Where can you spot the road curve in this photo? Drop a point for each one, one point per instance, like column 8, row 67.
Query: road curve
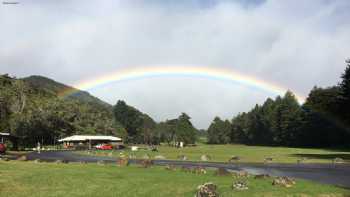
column 338, row 174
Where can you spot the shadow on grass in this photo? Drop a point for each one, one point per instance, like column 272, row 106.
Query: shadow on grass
column 345, row 156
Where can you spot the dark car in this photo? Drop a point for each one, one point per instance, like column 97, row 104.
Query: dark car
column 2, row 148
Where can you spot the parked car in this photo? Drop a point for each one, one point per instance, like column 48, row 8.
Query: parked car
column 2, row 148
column 104, row 147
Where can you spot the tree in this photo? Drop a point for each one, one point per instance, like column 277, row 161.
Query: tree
column 130, row 119
column 344, row 98
column 147, row 130
column 185, row 131
column 219, row 131
column 322, row 125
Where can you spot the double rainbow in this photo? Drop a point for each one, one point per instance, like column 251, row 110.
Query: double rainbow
column 191, row 71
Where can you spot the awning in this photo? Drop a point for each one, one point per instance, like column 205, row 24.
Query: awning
column 78, row 138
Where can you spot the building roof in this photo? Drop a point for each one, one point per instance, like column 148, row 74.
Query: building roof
column 89, row 137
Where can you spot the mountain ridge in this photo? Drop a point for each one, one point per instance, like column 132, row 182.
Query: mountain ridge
column 56, row 87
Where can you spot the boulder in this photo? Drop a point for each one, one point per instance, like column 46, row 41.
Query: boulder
column 205, row 158
column 222, row 172
column 241, row 174
column 240, row 185
column 338, row 160
column 65, row 161
column 146, row 156
column 261, row 176
column 5, row 159
column 207, row 190
column 123, row 161
column 101, row 162
column 22, row 158
column 58, row 161
column 182, row 157
column 234, row 159
column 146, row 163
column 199, row 170
column 283, row 181
column 302, row 160
column 186, row 169
column 159, row 157
column 37, row 161
column 170, row 167
column 268, row 159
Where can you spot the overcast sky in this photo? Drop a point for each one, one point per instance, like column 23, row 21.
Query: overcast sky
column 295, row 44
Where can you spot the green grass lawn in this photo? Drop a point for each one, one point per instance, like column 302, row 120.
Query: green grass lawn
column 254, row 154
column 28, row 179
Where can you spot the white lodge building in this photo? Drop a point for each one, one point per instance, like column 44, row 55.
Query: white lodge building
column 90, row 140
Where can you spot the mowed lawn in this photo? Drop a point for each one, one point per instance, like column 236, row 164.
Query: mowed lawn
column 29, row 179
column 222, row 153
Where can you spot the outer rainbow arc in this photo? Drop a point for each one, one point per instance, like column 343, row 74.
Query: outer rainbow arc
column 196, row 71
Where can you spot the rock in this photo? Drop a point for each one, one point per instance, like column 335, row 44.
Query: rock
column 61, row 161
column 182, row 157
column 5, row 159
column 170, row 167
column 268, row 159
column 199, row 170
column 65, row 161
column 58, row 161
column 302, row 160
column 338, row 160
column 154, row 149
column 82, row 162
column 241, row 174
column 205, row 158
column 186, row 169
column 37, row 161
column 240, row 185
column 283, row 181
column 146, row 163
column 123, row 162
column 222, row 172
column 146, row 156
column 234, row 159
column 261, row 176
column 207, row 190
column 101, row 162
column 159, row 157
column 22, row 158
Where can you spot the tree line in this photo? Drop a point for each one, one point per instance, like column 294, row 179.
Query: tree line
column 141, row 128
column 322, row 121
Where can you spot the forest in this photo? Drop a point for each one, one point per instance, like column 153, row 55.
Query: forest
column 33, row 110
column 322, row 121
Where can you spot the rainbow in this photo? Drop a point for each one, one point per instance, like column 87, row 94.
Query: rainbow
column 192, row 71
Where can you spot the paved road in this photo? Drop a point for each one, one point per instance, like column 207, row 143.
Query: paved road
column 338, row 174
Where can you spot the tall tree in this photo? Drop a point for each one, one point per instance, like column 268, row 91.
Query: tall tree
column 345, row 94
column 219, row 131
column 185, row 131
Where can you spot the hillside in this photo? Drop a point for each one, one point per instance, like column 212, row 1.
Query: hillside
column 55, row 87
column 31, row 109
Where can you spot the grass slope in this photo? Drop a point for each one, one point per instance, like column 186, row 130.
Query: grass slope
column 247, row 153
column 27, row 179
